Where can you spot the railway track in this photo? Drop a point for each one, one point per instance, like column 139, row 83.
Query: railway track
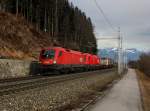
column 10, row 87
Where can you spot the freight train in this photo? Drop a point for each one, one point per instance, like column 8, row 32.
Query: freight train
column 65, row 60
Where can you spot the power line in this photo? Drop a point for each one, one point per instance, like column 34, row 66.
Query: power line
column 104, row 15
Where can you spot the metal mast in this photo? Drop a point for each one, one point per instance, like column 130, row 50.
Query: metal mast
column 119, row 52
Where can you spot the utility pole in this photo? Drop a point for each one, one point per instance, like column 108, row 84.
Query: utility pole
column 119, row 38
column 17, row 5
column 119, row 52
column 56, row 19
column 125, row 59
column 45, row 20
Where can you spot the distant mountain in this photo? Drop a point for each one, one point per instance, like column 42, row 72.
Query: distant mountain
column 132, row 54
column 108, row 52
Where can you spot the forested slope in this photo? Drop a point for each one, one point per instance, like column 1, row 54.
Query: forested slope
column 58, row 20
column 18, row 39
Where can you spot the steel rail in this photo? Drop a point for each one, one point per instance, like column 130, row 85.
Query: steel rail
column 17, row 86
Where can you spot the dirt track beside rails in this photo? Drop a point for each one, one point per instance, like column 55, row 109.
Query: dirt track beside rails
column 56, row 96
column 144, row 83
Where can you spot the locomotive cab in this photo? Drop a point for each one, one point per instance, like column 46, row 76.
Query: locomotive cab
column 47, row 56
column 50, row 59
column 51, row 56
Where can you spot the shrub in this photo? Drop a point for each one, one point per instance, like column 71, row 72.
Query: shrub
column 144, row 63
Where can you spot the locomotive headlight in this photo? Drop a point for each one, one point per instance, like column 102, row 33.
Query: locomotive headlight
column 54, row 62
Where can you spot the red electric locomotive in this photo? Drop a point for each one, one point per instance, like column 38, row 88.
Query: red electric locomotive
column 65, row 60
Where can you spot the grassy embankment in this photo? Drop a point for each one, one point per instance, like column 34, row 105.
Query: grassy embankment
column 144, row 82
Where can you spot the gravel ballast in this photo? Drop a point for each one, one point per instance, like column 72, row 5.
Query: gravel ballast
column 56, row 96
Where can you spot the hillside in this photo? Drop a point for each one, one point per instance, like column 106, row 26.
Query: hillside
column 28, row 25
column 67, row 23
column 18, row 39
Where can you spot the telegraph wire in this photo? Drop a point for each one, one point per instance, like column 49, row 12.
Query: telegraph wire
column 104, row 15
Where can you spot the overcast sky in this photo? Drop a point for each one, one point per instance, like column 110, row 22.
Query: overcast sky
column 132, row 16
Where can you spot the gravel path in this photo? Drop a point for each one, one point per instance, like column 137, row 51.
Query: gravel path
column 124, row 96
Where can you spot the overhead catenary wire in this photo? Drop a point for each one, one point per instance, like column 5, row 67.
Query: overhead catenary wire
column 120, row 68
column 104, row 15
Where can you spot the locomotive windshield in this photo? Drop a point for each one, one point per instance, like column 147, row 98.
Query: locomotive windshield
column 49, row 54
